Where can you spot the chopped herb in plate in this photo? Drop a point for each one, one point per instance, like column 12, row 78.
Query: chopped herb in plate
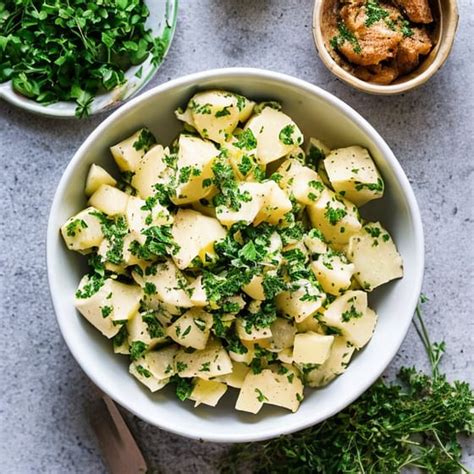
column 72, row 51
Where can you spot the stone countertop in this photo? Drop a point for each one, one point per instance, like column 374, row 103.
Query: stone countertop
column 45, row 397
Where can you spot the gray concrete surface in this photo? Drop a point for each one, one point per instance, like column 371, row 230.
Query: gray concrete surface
column 45, row 397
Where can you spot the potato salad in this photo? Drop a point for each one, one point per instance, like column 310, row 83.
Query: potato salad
column 233, row 257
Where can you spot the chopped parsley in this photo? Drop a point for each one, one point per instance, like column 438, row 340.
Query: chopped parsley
column 142, row 371
column 334, row 215
column 137, row 349
column 106, row 311
column 351, row 313
column 260, row 396
column 75, row 227
column 145, row 141
column 345, row 35
column 246, row 140
column 286, row 135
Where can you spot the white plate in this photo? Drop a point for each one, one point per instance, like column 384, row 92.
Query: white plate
column 319, row 114
column 161, row 22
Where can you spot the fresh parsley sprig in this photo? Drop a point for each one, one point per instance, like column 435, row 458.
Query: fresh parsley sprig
column 72, row 51
column 414, row 423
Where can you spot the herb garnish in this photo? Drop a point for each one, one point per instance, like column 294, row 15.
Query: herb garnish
column 54, row 51
column 389, row 429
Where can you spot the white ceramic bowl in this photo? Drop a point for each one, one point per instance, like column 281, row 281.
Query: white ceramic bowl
column 161, row 22
column 318, row 113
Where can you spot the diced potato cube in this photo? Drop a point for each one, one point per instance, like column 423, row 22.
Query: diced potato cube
column 300, row 302
column 276, row 134
column 151, row 170
column 283, row 334
column 164, row 285
column 194, row 173
column 192, row 329
column 83, row 231
column 254, row 288
column 312, row 348
column 300, row 181
column 112, row 304
column 97, row 176
column 198, row 293
column 335, row 217
column 236, row 377
column 269, row 387
column 336, row 363
column 315, row 242
column 213, row 361
column 353, row 174
column 139, row 217
column 374, row 255
column 161, row 362
column 195, row 235
column 214, row 114
column 275, row 205
column 128, row 152
column 109, row 200
column 248, row 332
column 143, row 375
column 147, row 328
column 255, row 192
column 333, row 272
column 208, row 392
column 350, row 315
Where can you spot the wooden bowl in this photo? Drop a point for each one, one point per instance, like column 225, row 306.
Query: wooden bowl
column 446, row 17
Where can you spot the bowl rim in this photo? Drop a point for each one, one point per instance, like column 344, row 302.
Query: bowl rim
column 194, row 79
column 66, row 109
column 444, row 49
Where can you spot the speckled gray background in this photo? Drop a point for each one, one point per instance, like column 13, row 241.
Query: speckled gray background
column 45, row 397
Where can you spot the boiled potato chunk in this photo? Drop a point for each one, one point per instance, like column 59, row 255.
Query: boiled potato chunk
column 301, row 301
column 315, row 243
column 109, row 200
column 213, row 361
column 194, row 172
column 276, row 134
column 145, row 376
column 300, row 181
column 336, row 363
column 312, row 348
column 161, row 362
column 335, row 217
column 249, row 208
column 248, row 332
column 83, row 231
column 215, row 114
column 198, row 293
column 151, row 169
column 128, row 152
column 350, row 315
column 254, row 288
column 283, row 334
column 146, row 328
column 269, row 387
column 333, row 272
column 275, row 205
column 353, row 174
column 245, row 107
column 165, row 285
column 192, row 329
column 112, row 303
column 97, row 176
column 375, row 257
column 139, row 217
column 243, row 160
column 208, row 392
column 195, row 235
column 237, row 376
